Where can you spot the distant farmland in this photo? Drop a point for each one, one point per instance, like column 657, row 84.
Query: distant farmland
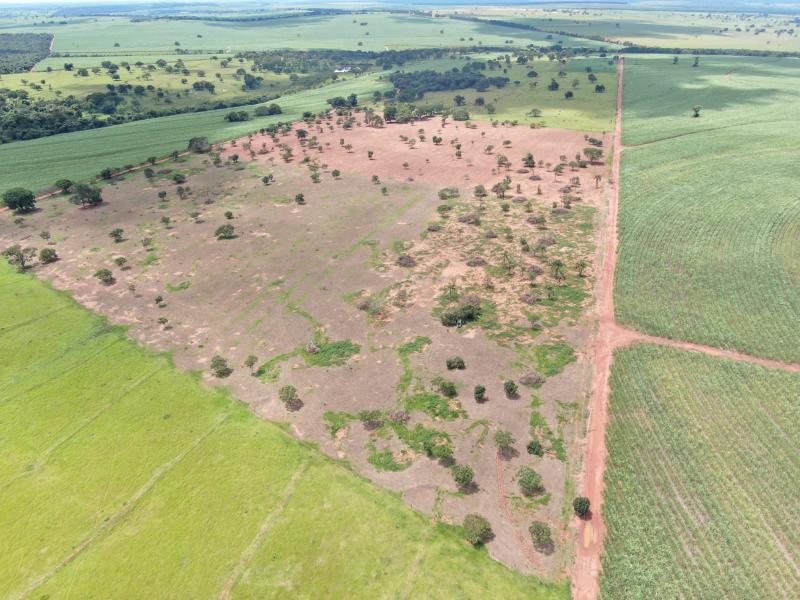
column 110, row 453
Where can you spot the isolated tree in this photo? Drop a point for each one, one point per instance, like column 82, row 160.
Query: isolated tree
column 535, row 447
column 510, row 388
column 459, row 100
column 162, row 195
column 529, row 481
column 581, row 267
column 336, row 173
column 19, row 257
column 480, row 192
column 463, row 475
column 65, row 185
column 540, row 535
column 477, row 529
column 225, row 232
column 116, row 235
column 581, row 506
column 529, row 161
column 48, row 255
column 121, row 261
column 105, row 276
column 300, row 199
column 267, row 179
column 597, row 180
column 480, row 393
column 250, row 362
column 219, row 367
column 19, row 200
column 290, row 398
column 455, row 363
column 557, row 269
column 504, row 440
column 696, row 62
column 696, row 110
column 87, row 195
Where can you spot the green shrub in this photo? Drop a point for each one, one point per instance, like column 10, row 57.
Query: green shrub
column 477, row 529
column 530, row 482
column 456, row 363
column 463, row 475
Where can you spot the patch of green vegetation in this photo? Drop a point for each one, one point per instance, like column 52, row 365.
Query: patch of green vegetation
column 270, row 371
column 336, row 421
column 183, row 285
column 150, row 259
column 383, row 460
column 416, row 345
column 435, row 405
column 530, row 503
column 330, row 354
column 432, row 442
column 551, row 358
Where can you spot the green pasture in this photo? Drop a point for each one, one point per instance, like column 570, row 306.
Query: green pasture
column 585, row 111
column 36, row 164
column 345, row 32
column 686, row 29
column 709, row 215
column 119, row 472
column 702, row 469
column 176, row 85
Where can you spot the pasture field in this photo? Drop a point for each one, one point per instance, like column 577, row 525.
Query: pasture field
column 708, row 209
column 662, row 29
column 36, row 164
column 587, row 110
column 176, row 86
column 380, row 31
column 120, row 472
column 702, row 462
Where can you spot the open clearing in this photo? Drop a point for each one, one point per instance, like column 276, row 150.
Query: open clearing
column 110, row 453
column 702, row 457
column 325, row 275
column 709, row 219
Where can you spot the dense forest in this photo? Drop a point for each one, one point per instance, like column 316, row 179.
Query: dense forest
column 20, row 51
column 413, row 85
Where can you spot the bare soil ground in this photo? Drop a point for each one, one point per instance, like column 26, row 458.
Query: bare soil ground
column 298, row 278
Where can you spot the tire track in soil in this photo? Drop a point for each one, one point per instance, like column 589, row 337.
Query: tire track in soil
column 263, row 530
column 120, row 515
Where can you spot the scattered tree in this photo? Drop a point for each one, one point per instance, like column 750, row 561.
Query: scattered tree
column 225, row 232
column 219, row 367
column 581, row 506
column 19, row 257
column 529, row 481
column 510, row 388
column 116, row 235
column 477, row 529
column 290, row 398
column 47, row 255
column 540, row 534
column 19, row 200
column 480, row 393
column 105, row 276
column 463, row 475
column 455, row 363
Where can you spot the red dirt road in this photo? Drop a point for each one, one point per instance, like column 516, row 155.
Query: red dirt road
column 585, row 580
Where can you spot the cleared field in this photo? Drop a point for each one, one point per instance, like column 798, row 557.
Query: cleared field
column 702, row 468
column 587, row 110
column 379, row 31
column 663, row 29
column 110, row 478
column 36, row 164
column 709, row 219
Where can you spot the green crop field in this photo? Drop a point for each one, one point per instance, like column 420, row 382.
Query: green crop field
column 688, row 29
column 709, row 216
column 585, row 111
column 36, row 164
column 701, row 478
column 381, row 31
column 119, row 472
